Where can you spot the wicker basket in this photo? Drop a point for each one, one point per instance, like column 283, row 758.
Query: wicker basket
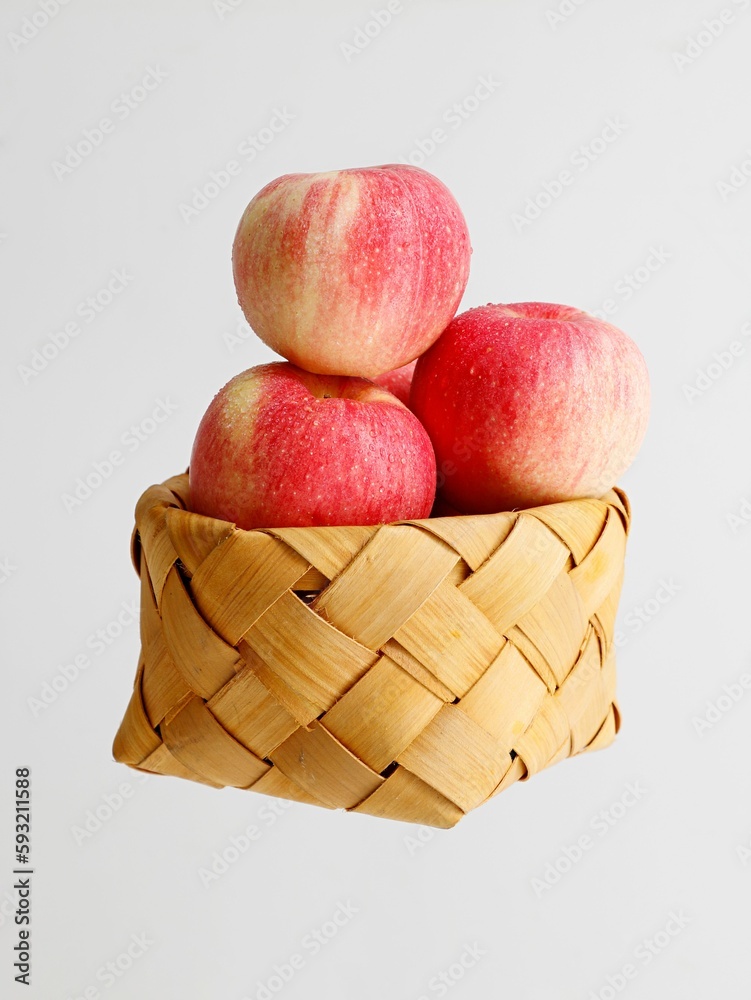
column 410, row 671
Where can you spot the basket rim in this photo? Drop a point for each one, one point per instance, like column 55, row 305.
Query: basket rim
column 615, row 497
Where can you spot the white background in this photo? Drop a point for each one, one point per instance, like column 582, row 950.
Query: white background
column 684, row 846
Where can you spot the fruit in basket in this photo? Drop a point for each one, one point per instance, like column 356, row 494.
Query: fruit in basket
column 280, row 446
column 351, row 272
column 398, row 381
column 530, row 403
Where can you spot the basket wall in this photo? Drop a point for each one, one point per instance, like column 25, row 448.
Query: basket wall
column 410, row 671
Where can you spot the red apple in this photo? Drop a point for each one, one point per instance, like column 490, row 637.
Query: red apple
column 529, row 404
column 398, row 381
column 352, row 272
column 279, row 446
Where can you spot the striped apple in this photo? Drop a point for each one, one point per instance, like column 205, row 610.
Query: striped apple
column 352, row 272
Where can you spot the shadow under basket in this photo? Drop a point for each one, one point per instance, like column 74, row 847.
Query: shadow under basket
column 410, row 671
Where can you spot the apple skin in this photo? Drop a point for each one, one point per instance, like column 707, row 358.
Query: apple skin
column 352, row 272
column 529, row 404
column 398, row 381
column 281, row 447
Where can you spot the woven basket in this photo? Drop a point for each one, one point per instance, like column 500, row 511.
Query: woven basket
column 410, row 671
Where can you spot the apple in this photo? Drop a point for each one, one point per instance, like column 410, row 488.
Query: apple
column 279, row 446
column 352, row 272
column 398, row 381
column 530, row 403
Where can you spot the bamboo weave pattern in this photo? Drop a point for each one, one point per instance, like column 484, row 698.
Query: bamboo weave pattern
column 410, row 671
